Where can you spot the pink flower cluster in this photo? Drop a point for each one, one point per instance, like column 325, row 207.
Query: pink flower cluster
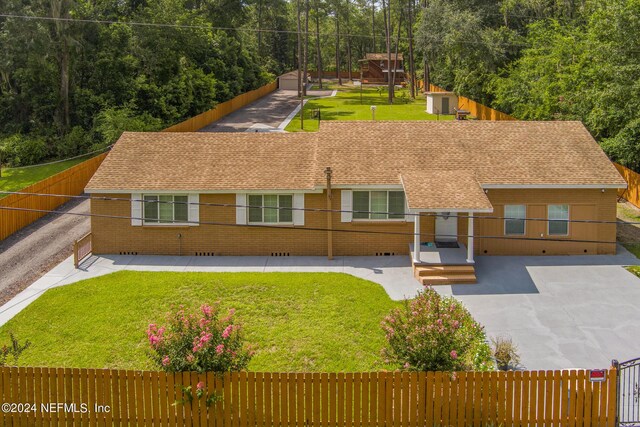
column 155, row 335
column 201, row 341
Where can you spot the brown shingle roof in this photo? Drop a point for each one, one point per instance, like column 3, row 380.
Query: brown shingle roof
column 360, row 153
column 434, row 189
column 382, row 56
column 499, row 153
column 207, row 161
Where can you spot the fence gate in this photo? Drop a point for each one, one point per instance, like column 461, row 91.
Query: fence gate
column 628, row 392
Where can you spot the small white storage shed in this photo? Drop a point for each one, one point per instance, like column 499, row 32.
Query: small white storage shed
column 441, row 102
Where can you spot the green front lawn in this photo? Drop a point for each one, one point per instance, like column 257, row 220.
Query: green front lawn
column 298, row 321
column 346, row 105
column 19, row 178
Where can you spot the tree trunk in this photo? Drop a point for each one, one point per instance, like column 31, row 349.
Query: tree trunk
column 427, row 78
column 60, row 9
column 395, row 59
column 386, row 7
column 373, row 25
column 349, row 59
column 306, row 48
column 260, row 28
column 338, row 46
column 412, row 69
column 318, row 51
column 299, row 52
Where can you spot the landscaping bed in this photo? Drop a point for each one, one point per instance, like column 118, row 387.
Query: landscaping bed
column 296, row 321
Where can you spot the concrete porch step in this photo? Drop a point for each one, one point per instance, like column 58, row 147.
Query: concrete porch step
column 458, row 279
column 443, row 270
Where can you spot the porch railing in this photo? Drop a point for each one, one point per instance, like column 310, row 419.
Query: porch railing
column 81, row 249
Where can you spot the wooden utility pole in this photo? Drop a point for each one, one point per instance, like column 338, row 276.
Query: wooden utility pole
column 328, row 173
column 412, row 68
column 318, row 51
column 306, row 48
column 302, row 112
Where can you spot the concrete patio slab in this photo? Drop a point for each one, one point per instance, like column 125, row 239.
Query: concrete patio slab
column 562, row 312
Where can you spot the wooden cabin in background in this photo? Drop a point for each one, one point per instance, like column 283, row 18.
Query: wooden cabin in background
column 375, row 68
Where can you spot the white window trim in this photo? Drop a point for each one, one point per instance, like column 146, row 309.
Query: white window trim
column 165, row 224
column 275, row 224
column 404, row 214
column 524, row 233
column 568, row 220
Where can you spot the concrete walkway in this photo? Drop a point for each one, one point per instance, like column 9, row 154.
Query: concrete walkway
column 562, row 311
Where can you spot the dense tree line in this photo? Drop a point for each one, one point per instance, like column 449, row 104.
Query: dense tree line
column 69, row 85
column 72, row 84
column 544, row 60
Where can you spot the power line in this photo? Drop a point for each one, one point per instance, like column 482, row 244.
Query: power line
column 322, row 210
column 324, row 229
column 207, row 27
column 63, row 160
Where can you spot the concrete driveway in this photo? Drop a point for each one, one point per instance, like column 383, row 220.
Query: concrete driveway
column 561, row 311
column 267, row 113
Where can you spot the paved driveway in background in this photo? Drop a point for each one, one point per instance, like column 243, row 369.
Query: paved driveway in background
column 265, row 113
column 561, row 311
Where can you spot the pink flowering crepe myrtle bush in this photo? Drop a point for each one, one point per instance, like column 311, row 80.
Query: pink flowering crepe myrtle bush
column 201, row 342
column 434, row 333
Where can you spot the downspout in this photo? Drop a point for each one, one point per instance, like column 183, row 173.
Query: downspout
column 328, row 172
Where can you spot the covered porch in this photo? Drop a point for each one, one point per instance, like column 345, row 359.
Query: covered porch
column 444, row 195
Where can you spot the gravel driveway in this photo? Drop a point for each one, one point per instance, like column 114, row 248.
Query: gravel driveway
column 28, row 254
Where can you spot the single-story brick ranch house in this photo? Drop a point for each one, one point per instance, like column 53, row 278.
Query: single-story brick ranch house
column 497, row 188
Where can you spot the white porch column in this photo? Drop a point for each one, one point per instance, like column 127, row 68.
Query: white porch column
column 416, row 239
column 470, row 240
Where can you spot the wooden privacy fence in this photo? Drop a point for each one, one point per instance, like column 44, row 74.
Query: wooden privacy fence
column 393, row 399
column 632, row 193
column 479, row 111
column 219, row 111
column 68, row 182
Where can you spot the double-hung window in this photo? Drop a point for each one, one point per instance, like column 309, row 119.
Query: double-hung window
column 378, row 205
column 165, row 209
column 270, row 208
column 514, row 220
column 558, row 220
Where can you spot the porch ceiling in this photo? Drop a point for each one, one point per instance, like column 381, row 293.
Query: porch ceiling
column 438, row 190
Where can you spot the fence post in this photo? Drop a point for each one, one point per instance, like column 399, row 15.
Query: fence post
column 615, row 385
column 75, row 253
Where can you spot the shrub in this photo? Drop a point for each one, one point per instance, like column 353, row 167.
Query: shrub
column 75, row 142
column 200, row 341
column 434, row 333
column 21, row 150
column 505, row 352
column 111, row 122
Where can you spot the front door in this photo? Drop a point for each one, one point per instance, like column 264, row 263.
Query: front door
column 447, row 227
column 445, row 105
